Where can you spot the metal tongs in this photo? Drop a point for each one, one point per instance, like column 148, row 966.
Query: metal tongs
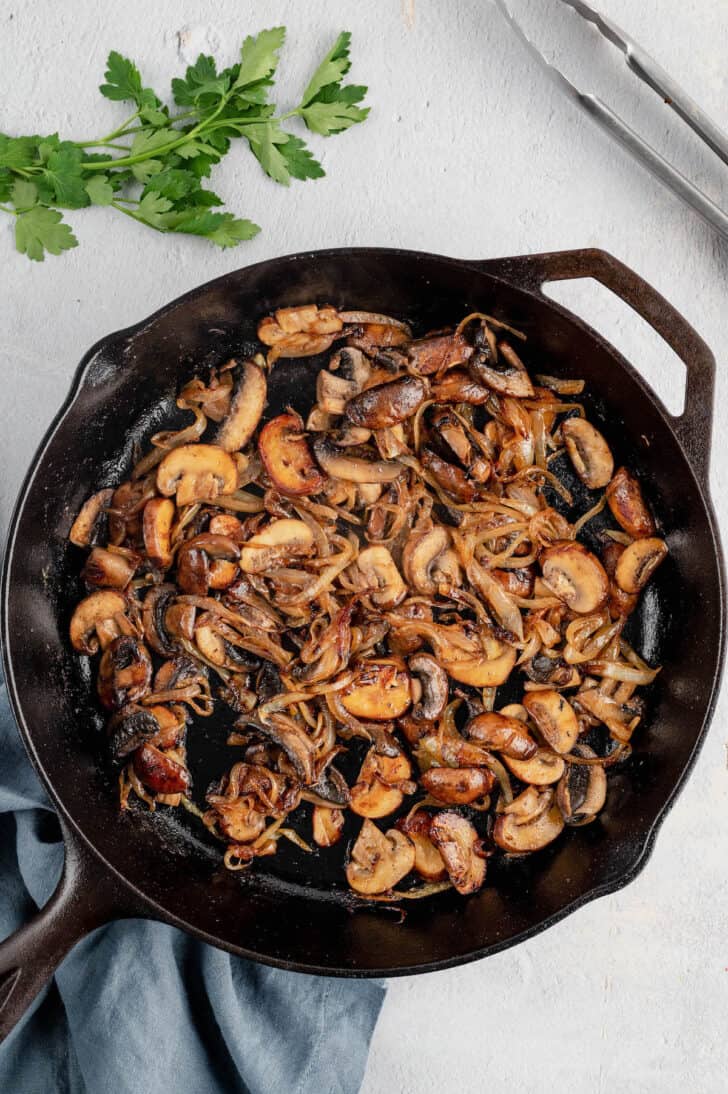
column 648, row 70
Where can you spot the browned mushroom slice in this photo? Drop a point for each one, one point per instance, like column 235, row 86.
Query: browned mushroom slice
column 541, row 769
column 582, row 791
column 428, row 561
column 489, row 669
column 380, row 690
column 380, row 572
column 628, row 506
column 157, row 528
column 327, row 825
column 354, row 467
column 125, row 672
column 172, row 725
column 157, row 630
column 129, row 729
column 292, row 738
column 554, row 717
column 102, row 610
column 620, row 603
column 575, row 576
column 159, row 772
column 86, row 526
column 457, row 785
column 638, row 563
column 458, row 387
column 246, row 408
column 515, row 582
column 438, row 353
column 450, row 478
column 282, row 539
column 286, row 456
column 378, row 860
column 500, row 368
column 377, row 793
column 512, row 834
column 550, row 668
column 500, row 733
column 589, row 452
column 222, row 573
column 300, row 331
column 461, row 850
column 430, row 680
column 109, row 569
column 197, row 472
column 448, row 427
column 428, row 860
column 387, row 404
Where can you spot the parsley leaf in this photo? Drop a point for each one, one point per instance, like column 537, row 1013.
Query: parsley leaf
column 100, row 190
column 259, row 56
column 332, row 69
column 151, row 167
column 40, row 230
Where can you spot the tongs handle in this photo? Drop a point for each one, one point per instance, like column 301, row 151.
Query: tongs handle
column 694, row 426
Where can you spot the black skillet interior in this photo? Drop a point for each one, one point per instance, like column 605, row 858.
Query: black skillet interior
column 290, row 909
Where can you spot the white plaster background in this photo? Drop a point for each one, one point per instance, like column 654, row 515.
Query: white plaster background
column 469, row 151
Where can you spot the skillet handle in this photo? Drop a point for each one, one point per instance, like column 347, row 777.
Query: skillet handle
column 694, row 426
column 86, row 897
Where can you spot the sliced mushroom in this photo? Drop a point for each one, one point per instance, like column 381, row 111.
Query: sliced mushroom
column 197, row 472
column 387, row 404
column 154, row 619
column 109, row 569
column 502, row 734
column 377, row 791
column 380, row 572
column 541, row 769
column 628, row 506
column 499, row 368
column 457, row 785
column 380, row 690
column 437, row 353
column 125, row 672
column 621, row 604
column 488, row 670
column 450, row 478
column 102, row 610
column 194, row 561
column 300, row 331
column 378, row 860
column 447, row 426
column 282, row 539
column 333, row 392
column 515, row 582
column 428, row 562
column 638, row 563
column 331, row 786
column 159, row 772
column 428, row 860
column 458, row 387
column 517, row 837
column 589, row 452
column 461, row 849
column 286, row 456
column 129, row 729
column 582, row 791
column 430, row 679
column 246, row 408
column 354, row 468
column 575, row 576
column 222, row 573
column 328, row 824
column 555, row 718
column 86, row 526
column 292, row 738
column 545, row 668
column 157, row 522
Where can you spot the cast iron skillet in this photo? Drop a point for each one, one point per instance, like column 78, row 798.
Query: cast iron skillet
column 284, row 912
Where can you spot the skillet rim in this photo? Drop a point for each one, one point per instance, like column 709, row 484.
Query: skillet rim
column 71, row 830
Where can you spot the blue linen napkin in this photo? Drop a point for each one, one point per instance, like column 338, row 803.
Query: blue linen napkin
column 141, row 1008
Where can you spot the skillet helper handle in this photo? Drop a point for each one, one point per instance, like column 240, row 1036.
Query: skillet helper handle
column 86, row 897
column 694, row 426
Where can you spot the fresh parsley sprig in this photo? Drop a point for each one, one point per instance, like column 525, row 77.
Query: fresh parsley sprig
column 151, row 167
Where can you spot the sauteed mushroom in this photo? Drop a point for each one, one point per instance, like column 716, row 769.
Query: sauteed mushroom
column 375, row 575
column 461, row 850
column 628, row 506
column 378, row 860
column 589, row 452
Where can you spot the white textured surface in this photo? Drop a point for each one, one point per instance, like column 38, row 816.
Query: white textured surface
column 469, row 152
